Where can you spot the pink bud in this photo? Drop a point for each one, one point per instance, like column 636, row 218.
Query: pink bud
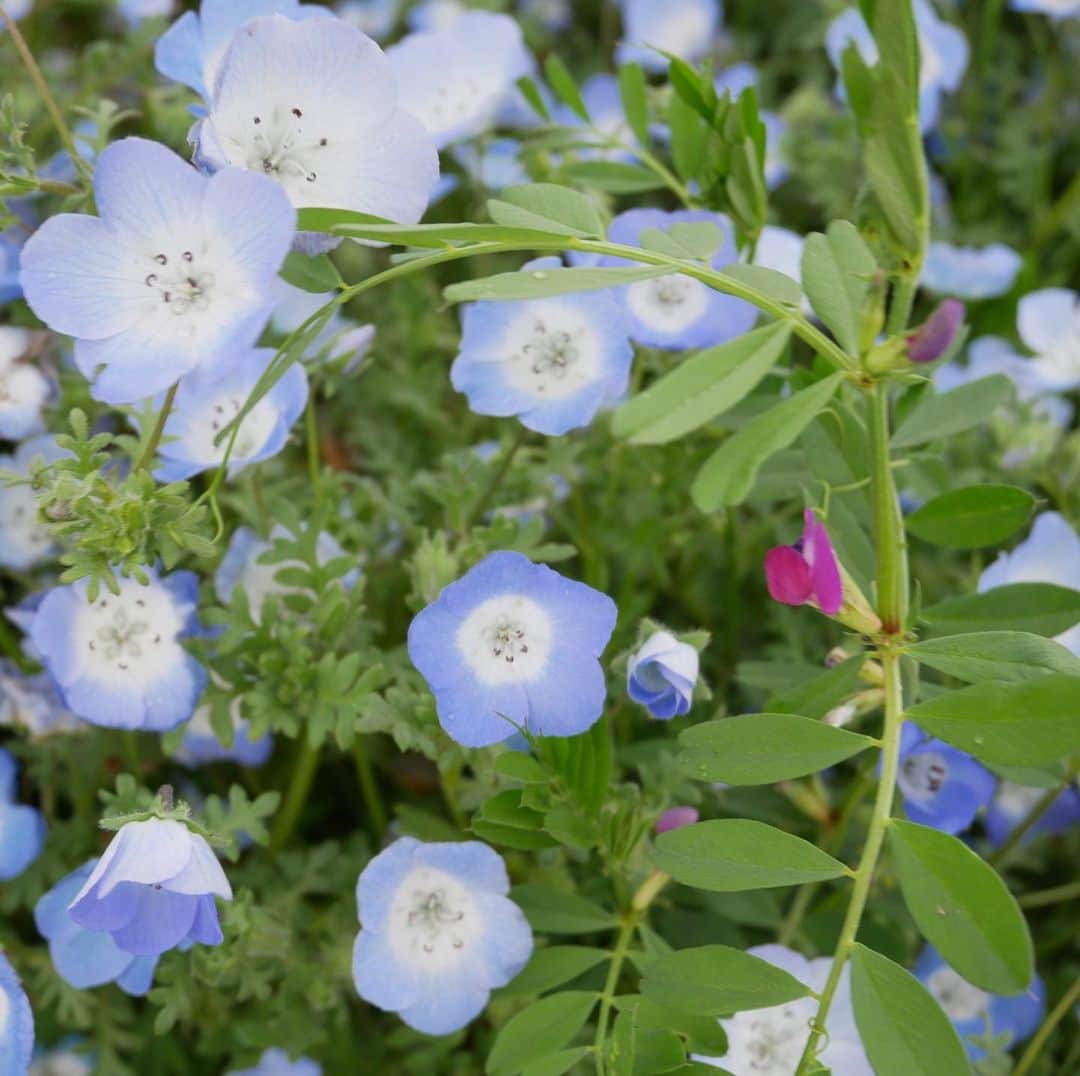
column 806, row 572
column 934, row 337
column 676, row 818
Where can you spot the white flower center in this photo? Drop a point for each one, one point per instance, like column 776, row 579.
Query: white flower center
column 19, row 522
column 670, row 303
column 767, row 1042
column 506, row 639
column 282, row 143
column 1060, row 365
column 181, row 282
column 922, row 776
column 60, row 1064
column 254, row 431
column 433, row 920
column 1017, row 800
column 552, row 352
column 959, row 999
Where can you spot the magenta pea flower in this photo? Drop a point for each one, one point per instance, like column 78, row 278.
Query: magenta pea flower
column 807, row 572
column 676, row 818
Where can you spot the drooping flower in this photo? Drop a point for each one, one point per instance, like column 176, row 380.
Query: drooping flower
column 974, row 1012
column 24, row 389
column 438, row 932
column 173, row 276
column 935, row 336
column 807, row 572
column 314, row 105
column 676, row 818
column 551, row 362
column 770, row 1042
column 22, row 828
column 1049, row 323
column 16, row 1023
column 86, row 958
column 456, row 80
column 1013, row 803
column 153, row 889
column 119, row 661
column 201, row 745
column 661, row 675
column 513, row 644
column 942, row 787
column 275, row 1062
column 970, row 272
column 685, row 28
column 207, row 402
column 24, row 540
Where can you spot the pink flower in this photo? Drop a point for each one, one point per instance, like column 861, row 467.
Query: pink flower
column 806, row 572
column 676, row 818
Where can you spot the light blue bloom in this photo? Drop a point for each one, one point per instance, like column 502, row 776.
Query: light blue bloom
column 30, row 703
column 192, row 49
column 436, row 14
column 661, row 675
column 314, row 106
column 17, row 9
column 943, row 48
column 276, row 1063
column 942, row 787
column 22, row 828
column 200, row 744
column 24, row 389
column 16, row 1023
column 1056, row 9
column 974, row 1012
column 1050, row 554
column 376, row 18
column 970, row 272
column 494, row 164
column 438, row 932
column 551, row 362
column 11, row 244
column 781, row 250
column 62, row 1060
column 603, row 101
column 173, row 277
column 1048, row 322
column 137, row 10
column 514, row 644
column 685, row 28
column 1012, row 803
column 458, row 79
column 86, row 958
column 553, row 15
column 676, row 312
column 24, row 541
column 154, row 889
column 119, row 662
column 207, row 402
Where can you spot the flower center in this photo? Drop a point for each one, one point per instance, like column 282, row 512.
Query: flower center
column 181, row 284
column 923, row 775
column 669, row 303
column 18, row 511
column 959, row 999
column 433, row 919
column 773, row 1040
column 552, row 353
column 280, row 144
column 204, row 429
column 506, row 639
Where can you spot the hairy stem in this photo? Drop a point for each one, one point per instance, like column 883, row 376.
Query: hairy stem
column 369, row 789
column 314, row 460
column 304, row 767
column 483, row 502
column 147, row 456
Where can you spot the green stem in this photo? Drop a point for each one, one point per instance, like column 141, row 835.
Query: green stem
column 307, row 762
column 369, row 789
column 311, row 431
column 889, row 534
column 1043, row 897
column 1061, row 1010
column 903, row 299
column 147, row 456
column 483, row 502
column 1031, row 819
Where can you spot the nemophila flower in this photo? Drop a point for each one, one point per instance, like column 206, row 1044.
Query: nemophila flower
column 780, row 249
column 1056, row 9
column 376, row 18
column 61, row 1061
column 552, row 362
column 200, row 744
column 16, row 1023
column 603, row 101
column 942, row 787
column 276, row 1062
column 11, row 244
column 86, row 958
column 137, row 10
column 314, row 106
column 943, row 53
column 1013, row 803
column 17, row 9
column 438, row 932
column 686, row 28
column 1050, row 554
column 677, row 312
column 808, row 572
column 970, row 272
column 661, row 675
column 551, row 14
column 455, row 80
column 24, row 389
column 207, row 402
column 1049, row 323
column 24, row 540
column 22, row 828
column 30, row 703
column 935, row 336
column 513, row 644
column 173, row 276
column 769, row 1042
column 676, row 818
column 494, row 164
column 154, row 889
column 119, row 661
column 974, row 1012
column 436, row 14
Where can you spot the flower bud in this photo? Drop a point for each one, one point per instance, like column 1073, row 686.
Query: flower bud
column 936, row 335
column 676, row 818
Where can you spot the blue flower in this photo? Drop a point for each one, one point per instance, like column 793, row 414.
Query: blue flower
column 24, row 541
column 153, row 889
column 943, row 50
column 17, row 9
column 456, row 80
column 942, row 787
column 686, row 28
column 514, row 643
column 62, row 1060
column 1056, row 9
column 31, row 703
column 22, row 829
column 11, row 244
column 974, row 1012
column 781, row 249
column 174, row 276
column 85, row 958
column 494, row 164
column 207, row 402
column 1050, row 554
column 970, row 272
column 438, row 932
column 314, row 105
column 1048, row 322
column 276, row 1063
column 553, row 15
column 119, row 662
column 435, row 14
column 16, row 1023
column 376, row 18
column 677, row 312
column 552, row 362
column 201, row 745
column 135, row 11
column 24, row 389
column 192, row 49
column 1012, row 803
column 661, row 675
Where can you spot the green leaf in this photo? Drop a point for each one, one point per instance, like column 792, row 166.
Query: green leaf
column 1041, row 608
column 729, row 855
column 525, row 840
column 365, row 226
column 837, row 270
column 532, row 94
column 821, row 693
column 729, row 473
column 505, row 809
column 963, row 908
column 760, row 749
column 543, row 283
column 634, row 100
column 718, row 979
column 519, row 766
column 558, row 1063
column 903, row 1029
column 613, row 177
column 1029, row 723
column 541, row 1029
column 973, row 517
column 316, row 273
column 556, row 911
column 701, row 387
column 995, row 655
column 946, row 413
column 553, row 966
column 776, row 285
column 547, row 207
column 565, row 88
column 689, row 240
